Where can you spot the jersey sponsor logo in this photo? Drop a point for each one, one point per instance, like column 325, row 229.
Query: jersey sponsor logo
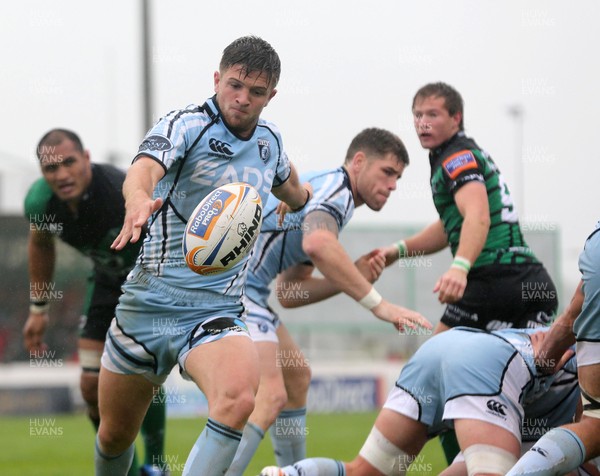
column 210, row 174
column 223, row 149
column 264, row 149
column 459, row 162
column 496, row 407
column 156, row 142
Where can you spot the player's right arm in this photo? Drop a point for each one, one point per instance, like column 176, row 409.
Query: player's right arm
column 320, row 242
column 42, row 257
column 429, row 240
column 560, row 336
column 300, row 287
column 142, row 177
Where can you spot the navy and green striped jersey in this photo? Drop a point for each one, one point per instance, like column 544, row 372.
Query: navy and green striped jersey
column 199, row 153
column 457, row 162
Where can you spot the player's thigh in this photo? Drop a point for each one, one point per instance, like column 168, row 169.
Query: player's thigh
column 293, row 364
column 403, row 432
column 123, row 402
column 477, row 432
column 227, row 367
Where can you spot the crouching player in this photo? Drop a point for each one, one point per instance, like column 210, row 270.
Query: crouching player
column 563, row 449
column 481, row 393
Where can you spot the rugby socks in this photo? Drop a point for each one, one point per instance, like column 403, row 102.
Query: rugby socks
column 557, row 452
column 288, row 436
column 316, row 467
column 112, row 465
column 251, row 438
column 134, row 468
column 153, row 429
column 213, row 451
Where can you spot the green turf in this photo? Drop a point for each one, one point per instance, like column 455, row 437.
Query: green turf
column 63, row 445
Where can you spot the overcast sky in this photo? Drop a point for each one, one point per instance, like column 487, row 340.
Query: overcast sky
column 346, row 66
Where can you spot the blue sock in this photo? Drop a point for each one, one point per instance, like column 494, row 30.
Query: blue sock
column 112, row 465
column 288, row 436
column 213, row 451
column 559, row 451
column 251, row 438
column 316, row 467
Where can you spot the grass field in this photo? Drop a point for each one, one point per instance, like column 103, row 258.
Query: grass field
column 63, row 445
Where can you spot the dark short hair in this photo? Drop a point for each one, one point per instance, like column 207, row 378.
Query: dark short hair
column 453, row 99
column 54, row 137
column 377, row 141
column 253, row 54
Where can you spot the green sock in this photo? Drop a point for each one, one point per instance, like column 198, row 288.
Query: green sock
column 449, row 445
column 153, row 429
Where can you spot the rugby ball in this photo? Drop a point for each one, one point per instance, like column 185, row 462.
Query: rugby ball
column 222, row 229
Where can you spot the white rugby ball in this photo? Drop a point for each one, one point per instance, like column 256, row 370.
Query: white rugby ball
column 222, row 229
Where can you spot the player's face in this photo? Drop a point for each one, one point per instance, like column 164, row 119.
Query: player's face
column 67, row 170
column 242, row 98
column 433, row 123
column 376, row 179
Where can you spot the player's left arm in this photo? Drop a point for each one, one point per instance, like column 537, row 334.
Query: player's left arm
column 472, row 203
column 292, row 192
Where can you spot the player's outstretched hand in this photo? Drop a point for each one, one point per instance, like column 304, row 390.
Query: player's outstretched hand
column 136, row 215
column 451, row 286
column 401, row 317
column 371, row 265
column 33, row 331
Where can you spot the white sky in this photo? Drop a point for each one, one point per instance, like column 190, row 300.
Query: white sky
column 346, row 66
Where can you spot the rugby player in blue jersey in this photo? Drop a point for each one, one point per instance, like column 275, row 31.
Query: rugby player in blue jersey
column 289, row 253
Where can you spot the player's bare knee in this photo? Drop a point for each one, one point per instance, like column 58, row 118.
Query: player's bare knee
column 297, row 383
column 114, row 439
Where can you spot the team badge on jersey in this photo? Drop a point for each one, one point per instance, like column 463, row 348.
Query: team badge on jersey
column 156, row 142
column 459, row 162
column 264, row 149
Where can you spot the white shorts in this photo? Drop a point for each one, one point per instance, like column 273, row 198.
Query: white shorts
column 262, row 322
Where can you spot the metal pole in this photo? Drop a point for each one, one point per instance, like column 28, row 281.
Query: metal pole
column 517, row 112
column 147, row 107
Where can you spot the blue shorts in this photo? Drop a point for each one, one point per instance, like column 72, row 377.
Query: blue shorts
column 157, row 325
column 587, row 324
column 462, row 374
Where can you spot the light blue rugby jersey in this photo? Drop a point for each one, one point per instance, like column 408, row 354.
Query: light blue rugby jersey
column 278, row 248
column 199, row 153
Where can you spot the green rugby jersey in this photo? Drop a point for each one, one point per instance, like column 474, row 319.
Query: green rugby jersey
column 457, row 162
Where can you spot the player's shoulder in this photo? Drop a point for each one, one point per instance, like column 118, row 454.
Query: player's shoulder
column 37, row 198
